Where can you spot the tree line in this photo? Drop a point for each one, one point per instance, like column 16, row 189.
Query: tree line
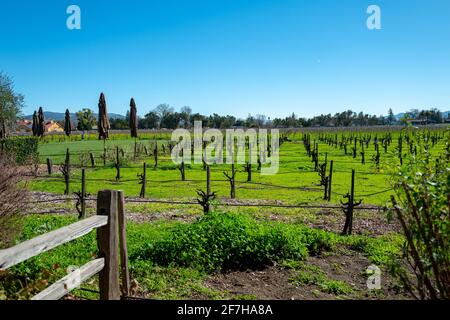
column 165, row 117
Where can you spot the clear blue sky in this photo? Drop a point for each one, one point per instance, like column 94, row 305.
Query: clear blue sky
column 229, row 56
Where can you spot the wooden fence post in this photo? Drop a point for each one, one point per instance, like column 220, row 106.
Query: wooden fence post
column 208, row 180
column 123, row 245
column 83, row 194
column 108, row 244
column 49, row 166
column 349, row 207
column 66, row 172
column 117, row 164
column 104, row 152
column 182, row 171
column 248, row 169
column 330, row 178
column 233, row 182
column 155, row 151
column 92, row 159
column 143, row 181
column 352, row 195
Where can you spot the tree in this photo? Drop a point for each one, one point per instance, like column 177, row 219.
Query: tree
column 260, row 120
column 119, row 124
column 250, row 121
column 41, row 122
column 11, row 104
column 85, row 119
column 67, row 123
column 291, row 121
column 198, row 117
column 163, row 110
column 171, row 120
column 35, row 125
column 186, row 116
column 150, row 121
column 391, row 117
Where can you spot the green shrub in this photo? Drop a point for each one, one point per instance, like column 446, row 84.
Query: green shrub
column 316, row 240
column 21, row 148
column 222, row 241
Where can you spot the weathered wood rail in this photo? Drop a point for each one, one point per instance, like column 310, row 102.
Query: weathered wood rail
column 110, row 224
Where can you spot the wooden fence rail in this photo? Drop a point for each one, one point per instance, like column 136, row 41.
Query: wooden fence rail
column 109, row 222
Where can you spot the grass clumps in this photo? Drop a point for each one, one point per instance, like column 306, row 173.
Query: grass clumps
column 224, row 241
column 380, row 250
column 313, row 275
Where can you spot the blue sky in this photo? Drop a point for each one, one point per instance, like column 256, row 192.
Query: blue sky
column 229, row 56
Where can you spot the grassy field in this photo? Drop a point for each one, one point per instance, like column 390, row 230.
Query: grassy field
column 295, row 183
column 177, row 252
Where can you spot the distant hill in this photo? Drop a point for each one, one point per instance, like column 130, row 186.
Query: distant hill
column 59, row 116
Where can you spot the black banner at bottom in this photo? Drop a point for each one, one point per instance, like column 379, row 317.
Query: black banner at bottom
column 239, row 309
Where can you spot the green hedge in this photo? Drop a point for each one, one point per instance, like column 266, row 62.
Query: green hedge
column 20, row 148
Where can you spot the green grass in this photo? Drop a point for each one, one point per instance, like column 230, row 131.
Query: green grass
column 378, row 250
column 296, row 171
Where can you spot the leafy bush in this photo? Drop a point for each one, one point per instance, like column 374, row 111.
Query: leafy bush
column 222, row 241
column 422, row 206
column 20, row 148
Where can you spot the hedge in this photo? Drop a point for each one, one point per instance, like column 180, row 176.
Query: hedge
column 20, row 148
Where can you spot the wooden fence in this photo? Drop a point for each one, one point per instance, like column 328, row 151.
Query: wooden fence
column 110, row 224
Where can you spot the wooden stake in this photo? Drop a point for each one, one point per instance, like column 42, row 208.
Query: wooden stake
column 330, row 178
column 49, row 166
column 144, row 181
column 208, row 180
column 108, row 243
column 83, row 193
column 92, row 160
column 123, row 245
column 104, row 152
column 352, row 201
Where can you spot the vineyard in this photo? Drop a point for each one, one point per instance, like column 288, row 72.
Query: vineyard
column 222, row 231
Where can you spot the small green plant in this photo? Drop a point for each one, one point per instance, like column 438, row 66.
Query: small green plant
column 313, row 275
column 380, row 250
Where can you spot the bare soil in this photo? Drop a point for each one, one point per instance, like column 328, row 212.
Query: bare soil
column 274, row 282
